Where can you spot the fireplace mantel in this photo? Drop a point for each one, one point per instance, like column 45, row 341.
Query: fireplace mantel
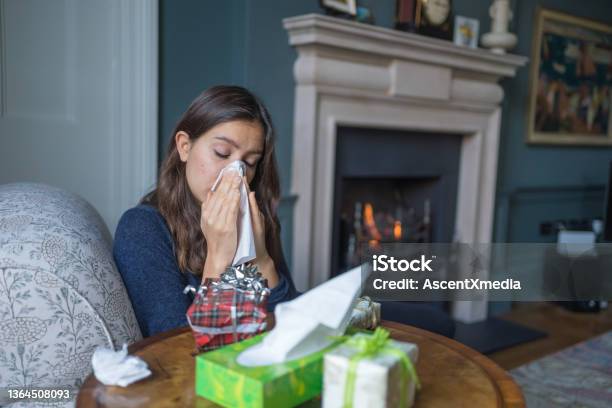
column 354, row 74
column 378, row 42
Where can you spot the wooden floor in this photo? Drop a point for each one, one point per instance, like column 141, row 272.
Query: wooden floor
column 564, row 329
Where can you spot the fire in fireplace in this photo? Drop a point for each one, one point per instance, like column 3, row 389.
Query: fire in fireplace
column 383, row 210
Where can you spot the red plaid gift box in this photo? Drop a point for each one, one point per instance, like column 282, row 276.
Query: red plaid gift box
column 222, row 313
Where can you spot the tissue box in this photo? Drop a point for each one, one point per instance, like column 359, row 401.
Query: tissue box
column 221, row 379
column 378, row 380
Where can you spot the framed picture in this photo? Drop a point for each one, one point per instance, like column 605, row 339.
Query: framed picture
column 466, row 31
column 570, row 81
column 343, row 6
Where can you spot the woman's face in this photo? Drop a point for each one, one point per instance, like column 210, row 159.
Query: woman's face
column 215, row 149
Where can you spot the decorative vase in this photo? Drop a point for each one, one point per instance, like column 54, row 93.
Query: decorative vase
column 499, row 39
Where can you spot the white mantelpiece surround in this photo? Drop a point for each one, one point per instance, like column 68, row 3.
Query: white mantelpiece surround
column 353, row 74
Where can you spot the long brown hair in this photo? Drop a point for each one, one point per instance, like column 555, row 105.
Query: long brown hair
column 174, row 199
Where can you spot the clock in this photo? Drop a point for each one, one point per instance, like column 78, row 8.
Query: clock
column 434, row 18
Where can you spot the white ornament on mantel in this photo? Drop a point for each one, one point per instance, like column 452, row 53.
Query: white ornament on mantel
column 499, row 39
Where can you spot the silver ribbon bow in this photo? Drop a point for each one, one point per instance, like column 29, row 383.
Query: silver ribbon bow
column 243, row 277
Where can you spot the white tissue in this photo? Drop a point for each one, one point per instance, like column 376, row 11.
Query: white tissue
column 245, row 251
column 305, row 324
column 117, row 368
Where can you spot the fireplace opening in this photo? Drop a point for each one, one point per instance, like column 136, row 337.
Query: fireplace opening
column 392, row 186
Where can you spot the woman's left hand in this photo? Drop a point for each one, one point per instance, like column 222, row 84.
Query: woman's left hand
column 263, row 260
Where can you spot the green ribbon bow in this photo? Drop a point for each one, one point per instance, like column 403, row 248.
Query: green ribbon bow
column 370, row 346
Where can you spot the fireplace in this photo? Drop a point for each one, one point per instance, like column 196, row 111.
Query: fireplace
column 392, row 186
column 356, row 81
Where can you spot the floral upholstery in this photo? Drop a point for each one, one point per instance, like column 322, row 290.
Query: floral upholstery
column 60, row 293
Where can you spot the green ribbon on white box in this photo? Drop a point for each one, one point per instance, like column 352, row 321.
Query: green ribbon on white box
column 369, row 346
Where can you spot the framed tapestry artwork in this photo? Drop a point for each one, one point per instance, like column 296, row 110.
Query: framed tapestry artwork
column 570, row 81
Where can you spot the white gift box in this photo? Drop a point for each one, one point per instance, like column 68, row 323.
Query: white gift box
column 378, row 379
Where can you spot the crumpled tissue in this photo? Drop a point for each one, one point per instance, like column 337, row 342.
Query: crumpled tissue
column 245, row 251
column 117, row 368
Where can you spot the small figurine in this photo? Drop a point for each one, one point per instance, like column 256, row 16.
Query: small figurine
column 499, row 39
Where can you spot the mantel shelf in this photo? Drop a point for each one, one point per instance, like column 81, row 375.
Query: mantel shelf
column 312, row 30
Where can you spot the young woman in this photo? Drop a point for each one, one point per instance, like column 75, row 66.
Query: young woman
column 181, row 232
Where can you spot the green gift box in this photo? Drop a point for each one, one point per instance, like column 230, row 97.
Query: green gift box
column 221, row 379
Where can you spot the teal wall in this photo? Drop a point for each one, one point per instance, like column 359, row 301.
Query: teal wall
column 203, row 43
column 544, row 183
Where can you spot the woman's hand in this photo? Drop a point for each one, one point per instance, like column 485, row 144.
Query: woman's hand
column 264, row 261
column 219, row 224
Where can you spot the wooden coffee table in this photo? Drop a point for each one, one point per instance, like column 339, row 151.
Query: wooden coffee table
column 452, row 375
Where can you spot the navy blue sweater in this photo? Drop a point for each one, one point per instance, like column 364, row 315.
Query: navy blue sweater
column 144, row 252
